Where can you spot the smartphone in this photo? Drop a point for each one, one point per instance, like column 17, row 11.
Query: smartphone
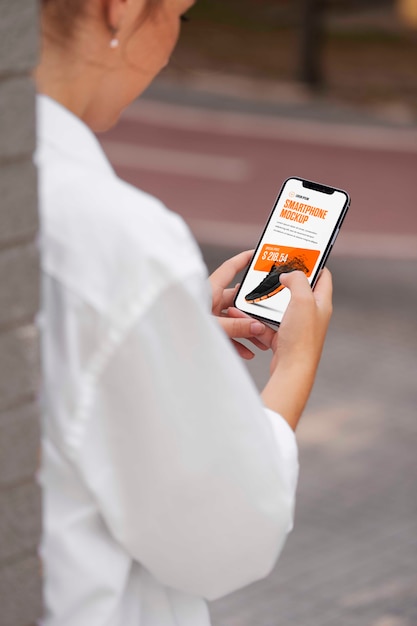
column 299, row 235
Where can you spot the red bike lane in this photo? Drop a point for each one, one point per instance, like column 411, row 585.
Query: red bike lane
column 221, row 172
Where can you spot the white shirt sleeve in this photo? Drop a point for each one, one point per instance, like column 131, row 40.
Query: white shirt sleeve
column 193, row 476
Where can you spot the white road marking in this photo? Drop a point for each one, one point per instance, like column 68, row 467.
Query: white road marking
column 271, row 127
column 170, row 161
column 348, row 244
column 234, row 169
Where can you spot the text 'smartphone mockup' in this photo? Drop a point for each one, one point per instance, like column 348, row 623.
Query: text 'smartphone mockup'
column 299, row 235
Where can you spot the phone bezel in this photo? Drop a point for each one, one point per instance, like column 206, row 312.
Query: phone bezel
column 308, row 184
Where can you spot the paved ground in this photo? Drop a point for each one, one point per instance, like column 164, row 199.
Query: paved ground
column 352, row 558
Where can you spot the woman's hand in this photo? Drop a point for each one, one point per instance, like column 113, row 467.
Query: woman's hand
column 237, row 325
column 298, row 345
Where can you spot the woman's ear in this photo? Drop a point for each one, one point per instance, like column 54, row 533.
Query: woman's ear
column 115, row 12
column 122, row 13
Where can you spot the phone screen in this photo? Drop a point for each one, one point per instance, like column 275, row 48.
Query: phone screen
column 299, row 235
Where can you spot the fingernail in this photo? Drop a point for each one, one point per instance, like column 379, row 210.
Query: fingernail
column 257, row 328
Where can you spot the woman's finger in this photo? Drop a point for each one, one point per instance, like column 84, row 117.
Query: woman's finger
column 225, row 274
column 242, row 328
column 263, row 341
column 323, row 291
column 228, row 298
column 243, row 351
column 258, row 344
column 297, row 283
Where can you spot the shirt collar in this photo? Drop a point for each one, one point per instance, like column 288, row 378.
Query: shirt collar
column 65, row 132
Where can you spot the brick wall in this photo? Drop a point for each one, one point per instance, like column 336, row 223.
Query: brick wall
column 20, row 501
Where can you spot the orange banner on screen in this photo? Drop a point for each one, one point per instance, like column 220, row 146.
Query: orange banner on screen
column 283, row 255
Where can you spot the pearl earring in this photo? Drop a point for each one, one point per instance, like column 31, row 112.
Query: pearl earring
column 114, row 42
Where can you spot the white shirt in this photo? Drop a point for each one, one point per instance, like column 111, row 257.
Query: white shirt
column 166, row 481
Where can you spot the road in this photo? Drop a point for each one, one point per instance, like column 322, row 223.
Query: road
column 351, row 559
column 221, row 170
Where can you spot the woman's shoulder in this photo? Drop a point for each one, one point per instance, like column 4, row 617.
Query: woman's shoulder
column 102, row 235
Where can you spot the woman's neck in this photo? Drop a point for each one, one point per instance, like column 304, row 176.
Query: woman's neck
column 70, row 74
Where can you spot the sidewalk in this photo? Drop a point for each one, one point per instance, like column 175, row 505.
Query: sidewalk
column 351, row 559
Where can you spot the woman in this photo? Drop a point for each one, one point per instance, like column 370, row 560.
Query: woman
column 167, row 479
